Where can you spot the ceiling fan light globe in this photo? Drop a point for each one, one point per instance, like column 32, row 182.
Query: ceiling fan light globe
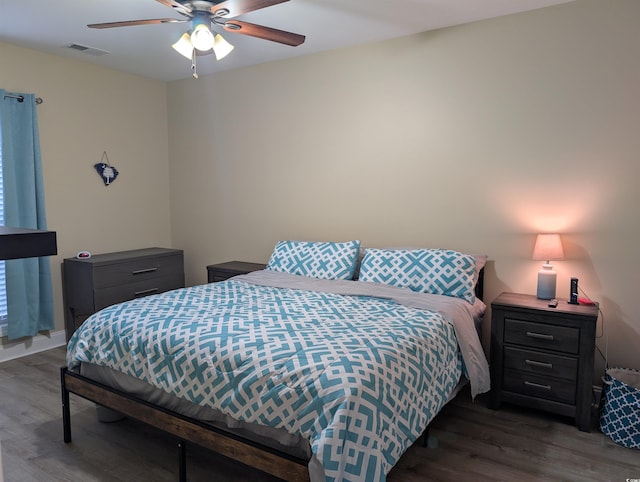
column 183, row 46
column 221, row 47
column 202, row 38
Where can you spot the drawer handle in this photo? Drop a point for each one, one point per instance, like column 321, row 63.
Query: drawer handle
column 137, row 294
column 143, row 271
column 537, row 385
column 539, row 336
column 539, row 364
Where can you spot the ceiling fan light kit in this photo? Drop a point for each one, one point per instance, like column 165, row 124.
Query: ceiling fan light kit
column 185, row 46
column 205, row 14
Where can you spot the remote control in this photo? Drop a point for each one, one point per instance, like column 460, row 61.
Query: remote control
column 553, row 303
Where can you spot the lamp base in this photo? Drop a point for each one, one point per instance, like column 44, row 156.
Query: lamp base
column 546, row 283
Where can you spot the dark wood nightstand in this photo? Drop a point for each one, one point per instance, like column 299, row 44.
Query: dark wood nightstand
column 223, row 271
column 542, row 357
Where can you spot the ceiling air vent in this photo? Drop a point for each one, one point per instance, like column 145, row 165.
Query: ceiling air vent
column 87, row 50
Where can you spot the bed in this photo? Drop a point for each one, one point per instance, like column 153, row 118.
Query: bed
column 298, row 370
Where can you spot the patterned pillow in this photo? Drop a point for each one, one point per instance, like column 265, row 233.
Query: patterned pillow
column 315, row 259
column 436, row 271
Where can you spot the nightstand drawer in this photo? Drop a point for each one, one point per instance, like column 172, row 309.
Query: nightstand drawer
column 137, row 270
column 541, row 335
column 539, row 386
column 544, row 364
column 224, row 271
column 222, row 276
column 116, row 294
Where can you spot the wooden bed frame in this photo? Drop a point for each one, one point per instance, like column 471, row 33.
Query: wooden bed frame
column 187, row 429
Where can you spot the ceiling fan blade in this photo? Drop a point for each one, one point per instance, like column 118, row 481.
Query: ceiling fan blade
column 265, row 33
column 128, row 23
column 233, row 8
column 176, row 6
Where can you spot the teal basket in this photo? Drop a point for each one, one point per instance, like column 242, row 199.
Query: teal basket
column 620, row 417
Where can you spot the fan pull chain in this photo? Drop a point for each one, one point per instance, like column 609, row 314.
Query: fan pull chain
column 193, row 65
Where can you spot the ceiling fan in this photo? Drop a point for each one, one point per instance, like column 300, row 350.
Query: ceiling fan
column 207, row 15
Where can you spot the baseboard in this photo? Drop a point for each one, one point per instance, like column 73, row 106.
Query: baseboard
column 12, row 350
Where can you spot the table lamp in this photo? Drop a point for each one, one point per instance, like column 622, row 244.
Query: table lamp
column 548, row 247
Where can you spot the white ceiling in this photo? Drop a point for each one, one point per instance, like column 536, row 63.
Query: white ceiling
column 52, row 25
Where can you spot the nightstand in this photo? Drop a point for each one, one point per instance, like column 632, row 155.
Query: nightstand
column 542, row 357
column 223, row 271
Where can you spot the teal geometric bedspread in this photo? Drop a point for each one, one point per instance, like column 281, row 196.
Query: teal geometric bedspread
column 359, row 377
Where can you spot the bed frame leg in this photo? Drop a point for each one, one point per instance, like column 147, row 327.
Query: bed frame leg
column 425, row 437
column 66, row 410
column 182, row 461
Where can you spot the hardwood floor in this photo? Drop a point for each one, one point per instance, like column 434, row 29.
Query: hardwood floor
column 468, row 442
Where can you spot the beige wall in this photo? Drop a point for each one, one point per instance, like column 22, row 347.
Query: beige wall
column 88, row 110
column 473, row 138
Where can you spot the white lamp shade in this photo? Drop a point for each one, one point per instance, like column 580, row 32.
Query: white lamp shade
column 183, row 46
column 221, row 47
column 548, row 247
